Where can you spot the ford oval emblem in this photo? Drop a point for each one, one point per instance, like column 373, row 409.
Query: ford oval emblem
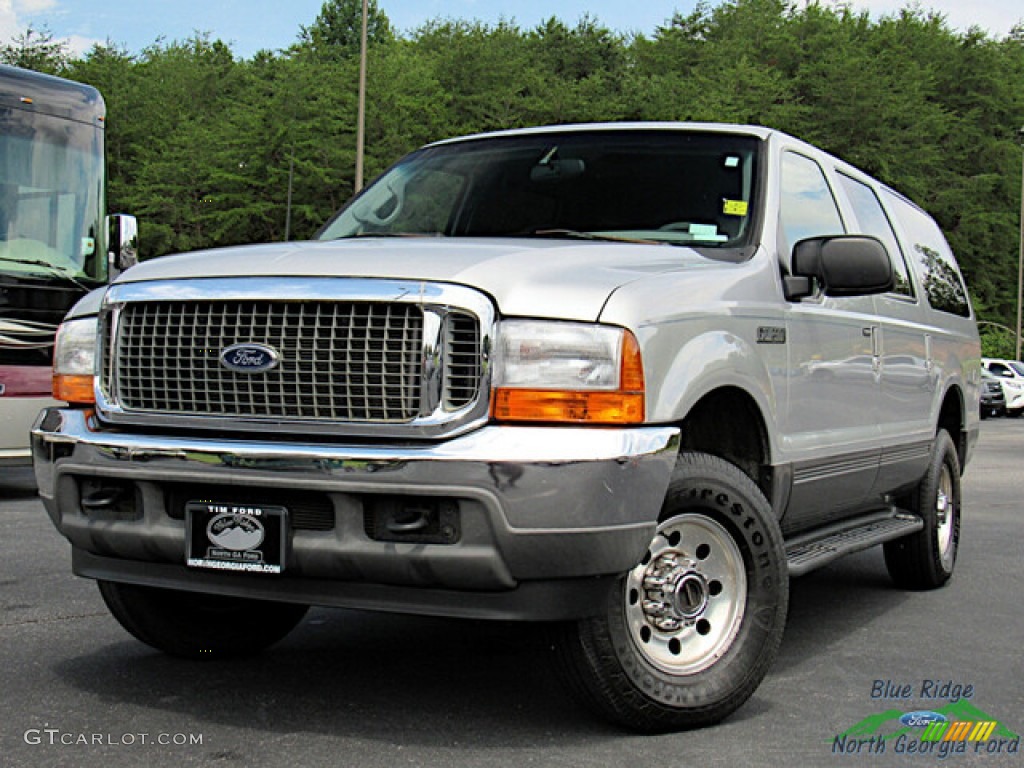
column 249, row 358
column 922, row 718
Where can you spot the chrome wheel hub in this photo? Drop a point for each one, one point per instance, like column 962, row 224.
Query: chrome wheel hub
column 685, row 601
column 675, row 592
column 945, row 520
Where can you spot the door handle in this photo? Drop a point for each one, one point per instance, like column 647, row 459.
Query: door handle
column 876, row 347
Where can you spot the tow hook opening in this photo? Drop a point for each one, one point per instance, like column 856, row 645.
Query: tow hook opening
column 105, row 499
column 413, row 519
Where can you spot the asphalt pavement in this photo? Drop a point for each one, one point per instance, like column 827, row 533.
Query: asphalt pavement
column 365, row 690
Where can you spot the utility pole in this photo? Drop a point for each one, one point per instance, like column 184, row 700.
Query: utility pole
column 361, row 118
column 1020, row 259
column 288, row 210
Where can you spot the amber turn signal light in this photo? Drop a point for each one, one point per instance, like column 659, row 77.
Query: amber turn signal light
column 74, row 389
column 624, row 405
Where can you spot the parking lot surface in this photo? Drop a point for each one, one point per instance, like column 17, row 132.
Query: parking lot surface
column 360, row 689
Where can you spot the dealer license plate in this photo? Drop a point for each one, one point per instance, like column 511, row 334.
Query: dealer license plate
column 235, row 537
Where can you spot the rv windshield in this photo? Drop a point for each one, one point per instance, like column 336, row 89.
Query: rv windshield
column 50, row 197
column 653, row 186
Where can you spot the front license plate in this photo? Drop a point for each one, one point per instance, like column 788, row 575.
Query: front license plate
column 235, row 537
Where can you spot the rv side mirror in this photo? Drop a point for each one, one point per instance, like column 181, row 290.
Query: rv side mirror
column 845, row 265
column 123, row 240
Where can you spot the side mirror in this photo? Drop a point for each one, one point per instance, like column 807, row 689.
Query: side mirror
column 844, row 265
column 122, row 243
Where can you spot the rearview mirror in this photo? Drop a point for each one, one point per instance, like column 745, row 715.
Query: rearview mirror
column 557, row 170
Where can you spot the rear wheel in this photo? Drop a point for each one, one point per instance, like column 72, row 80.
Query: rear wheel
column 689, row 633
column 925, row 560
column 196, row 625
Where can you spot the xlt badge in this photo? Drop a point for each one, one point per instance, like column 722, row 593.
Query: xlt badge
column 770, row 334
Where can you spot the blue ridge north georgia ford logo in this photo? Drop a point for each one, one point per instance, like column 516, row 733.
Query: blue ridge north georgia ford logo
column 249, row 358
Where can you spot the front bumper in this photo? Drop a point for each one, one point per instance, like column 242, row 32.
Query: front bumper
column 1014, row 399
column 547, row 515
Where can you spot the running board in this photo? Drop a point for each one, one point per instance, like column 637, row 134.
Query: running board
column 812, row 550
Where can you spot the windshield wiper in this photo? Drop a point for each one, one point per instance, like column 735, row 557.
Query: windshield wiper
column 572, row 234
column 358, row 235
column 53, row 269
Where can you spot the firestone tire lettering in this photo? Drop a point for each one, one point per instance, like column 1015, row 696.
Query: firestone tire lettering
column 602, row 660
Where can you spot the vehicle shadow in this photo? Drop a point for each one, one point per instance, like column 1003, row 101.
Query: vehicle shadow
column 17, row 482
column 437, row 682
column 827, row 606
column 397, row 679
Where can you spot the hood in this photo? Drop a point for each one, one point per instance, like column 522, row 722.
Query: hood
column 534, row 278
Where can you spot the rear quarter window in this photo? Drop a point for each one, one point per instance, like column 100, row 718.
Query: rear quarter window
column 940, row 278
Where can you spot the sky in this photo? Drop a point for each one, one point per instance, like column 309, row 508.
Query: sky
column 252, row 25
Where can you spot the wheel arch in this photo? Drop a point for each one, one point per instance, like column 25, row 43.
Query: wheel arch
column 727, row 422
column 718, row 388
column 952, row 419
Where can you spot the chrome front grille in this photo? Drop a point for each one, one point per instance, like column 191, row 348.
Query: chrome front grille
column 462, row 361
column 398, row 363
column 340, row 361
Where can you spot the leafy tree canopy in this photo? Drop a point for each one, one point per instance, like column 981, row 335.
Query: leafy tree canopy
column 204, row 146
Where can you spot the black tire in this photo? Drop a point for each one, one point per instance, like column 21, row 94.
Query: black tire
column 717, row 539
column 196, row 625
column 925, row 560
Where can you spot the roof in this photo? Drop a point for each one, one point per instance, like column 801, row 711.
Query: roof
column 756, row 131
column 45, row 94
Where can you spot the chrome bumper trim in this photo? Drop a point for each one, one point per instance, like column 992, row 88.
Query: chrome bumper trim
column 547, row 503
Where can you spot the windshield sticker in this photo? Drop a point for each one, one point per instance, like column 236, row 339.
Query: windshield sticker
column 732, row 162
column 88, row 246
column 735, row 207
column 703, row 231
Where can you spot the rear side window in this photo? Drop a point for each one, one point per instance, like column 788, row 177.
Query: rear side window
column 873, row 221
column 808, row 208
column 943, row 286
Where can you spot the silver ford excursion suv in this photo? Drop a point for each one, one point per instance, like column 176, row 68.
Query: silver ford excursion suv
column 624, row 378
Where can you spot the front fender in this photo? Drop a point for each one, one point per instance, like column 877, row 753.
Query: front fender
column 681, row 373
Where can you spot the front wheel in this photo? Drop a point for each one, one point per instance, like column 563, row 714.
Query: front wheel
column 689, row 633
column 196, row 625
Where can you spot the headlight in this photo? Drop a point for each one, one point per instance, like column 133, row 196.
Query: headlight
column 74, row 361
column 567, row 372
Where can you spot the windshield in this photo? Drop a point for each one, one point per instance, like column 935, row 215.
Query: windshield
column 662, row 186
column 51, row 192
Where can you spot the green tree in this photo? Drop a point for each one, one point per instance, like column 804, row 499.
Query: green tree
column 201, row 145
column 338, row 28
column 37, row 50
column 113, row 71
column 486, row 71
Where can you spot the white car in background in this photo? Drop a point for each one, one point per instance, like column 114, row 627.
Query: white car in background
column 1011, row 376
